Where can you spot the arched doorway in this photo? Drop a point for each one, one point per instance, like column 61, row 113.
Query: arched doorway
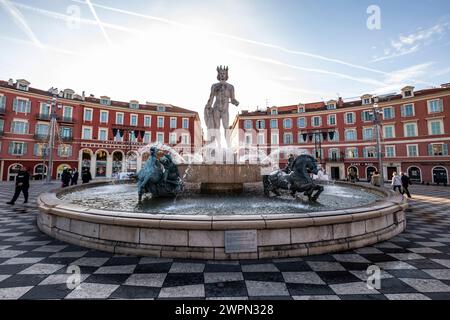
column 117, row 162
column 352, row 169
column 414, row 174
column 440, row 175
column 86, row 160
column 369, row 172
column 13, row 170
column 60, row 169
column 40, row 171
column 101, row 157
column 131, row 162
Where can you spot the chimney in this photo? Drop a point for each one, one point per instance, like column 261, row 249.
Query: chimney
column 340, row 102
column 445, row 85
column 91, row 96
column 10, row 82
column 83, row 97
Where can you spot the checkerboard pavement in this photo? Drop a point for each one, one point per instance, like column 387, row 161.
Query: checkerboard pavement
column 414, row 264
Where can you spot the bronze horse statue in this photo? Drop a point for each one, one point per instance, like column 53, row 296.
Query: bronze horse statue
column 297, row 180
column 160, row 176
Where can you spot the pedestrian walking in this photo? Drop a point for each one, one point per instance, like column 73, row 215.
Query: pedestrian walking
column 22, row 185
column 397, row 182
column 65, row 177
column 406, row 182
column 74, row 180
column 86, row 176
column 376, row 179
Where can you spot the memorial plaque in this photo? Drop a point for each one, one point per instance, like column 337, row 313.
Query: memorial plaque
column 237, row 241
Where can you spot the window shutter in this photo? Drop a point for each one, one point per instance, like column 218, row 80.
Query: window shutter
column 15, row 103
column 3, row 102
column 430, row 149
column 403, row 111
column 441, row 105
column 365, row 153
column 11, row 147
column 356, row 153
column 25, row 148
column 445, row 149
column 28, row 107
column 69, row 153
column 36, row 149
column 27, row 125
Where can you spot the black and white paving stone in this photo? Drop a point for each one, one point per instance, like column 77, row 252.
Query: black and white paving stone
column 414, row 265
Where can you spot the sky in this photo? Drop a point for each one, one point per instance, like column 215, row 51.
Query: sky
column 278, row 52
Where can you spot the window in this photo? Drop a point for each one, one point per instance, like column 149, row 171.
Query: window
column 287, row 138
column 367, row 115
column 274, row 111
column 2, row 125
column 435, row 106
column 17, row 148
column 410, row 129
column 42, row 129
column 287, row 123
column 438, row 149
column 407, row 94
column 105, row 101
column 408, row 110
column 134, row 105
column 19, row 127
column 411, row 150
column 119, row 118
column 388, row 113
column 273, row 123
column 260, row 124
column 316, row 121
column 117, row 137
column 352, row 153
column 333, row 136
column 301, row 109
column 160, row 137
column 103, row 116
column 160, row 122
column 64, row 150
column 248, row 139
column 366, row 101
column 161, row 108
column 103, row 134
column 333, row 154
column 173, row 123
column 45, row 109
column 350, row 118
column 390, row 151
column 331, row 106
column 87, row 115
column 300, row 138
column 368, row 133
column 185, row 138
column 332, row 120
column 147, row 137
column 185, row 123
column 132, row 136
column 274, row 138
column 22, row 105
column 369, row 152
column 65, row 132
column 301, row 122
column 172, row 138
column 435, row 127
column 147, row 121
column 67, row 112
column 2, row 103
column 40, row 150
column 261, row 139
column 133, row 120
column 350, row 135
column 389, row 132
column 248, row 124
column 87, row 133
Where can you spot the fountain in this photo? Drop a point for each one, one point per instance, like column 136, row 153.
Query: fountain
column 211, row 206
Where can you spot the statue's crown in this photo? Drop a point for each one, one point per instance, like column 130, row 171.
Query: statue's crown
column 222, row 69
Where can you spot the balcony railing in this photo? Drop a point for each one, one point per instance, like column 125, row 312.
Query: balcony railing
column 45, row 116
column 67, row 119
column 67, row 138
column 41, row 136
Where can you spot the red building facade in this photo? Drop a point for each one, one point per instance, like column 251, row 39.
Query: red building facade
column 414, row 130
column 99, row 134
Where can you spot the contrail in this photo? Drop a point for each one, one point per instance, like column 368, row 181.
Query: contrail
column 20, row 21
column 100, row 24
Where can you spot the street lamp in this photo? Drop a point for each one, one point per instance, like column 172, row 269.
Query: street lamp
column 377, row 122
column 51, row 143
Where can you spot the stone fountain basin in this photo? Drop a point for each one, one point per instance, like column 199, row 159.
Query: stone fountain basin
column 203, row 237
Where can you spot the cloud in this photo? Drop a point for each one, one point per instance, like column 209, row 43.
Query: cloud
column 413, row 42
column 20, row 21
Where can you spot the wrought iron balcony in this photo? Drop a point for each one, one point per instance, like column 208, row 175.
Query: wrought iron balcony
column 41, row 136
column 45, row 116
column 67, row 138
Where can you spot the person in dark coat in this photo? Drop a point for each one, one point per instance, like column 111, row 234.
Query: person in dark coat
column 22, row 185
column 74, row 180
column 406, row 182
column 86, row 176
column 65, row 177
column 289, row 164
